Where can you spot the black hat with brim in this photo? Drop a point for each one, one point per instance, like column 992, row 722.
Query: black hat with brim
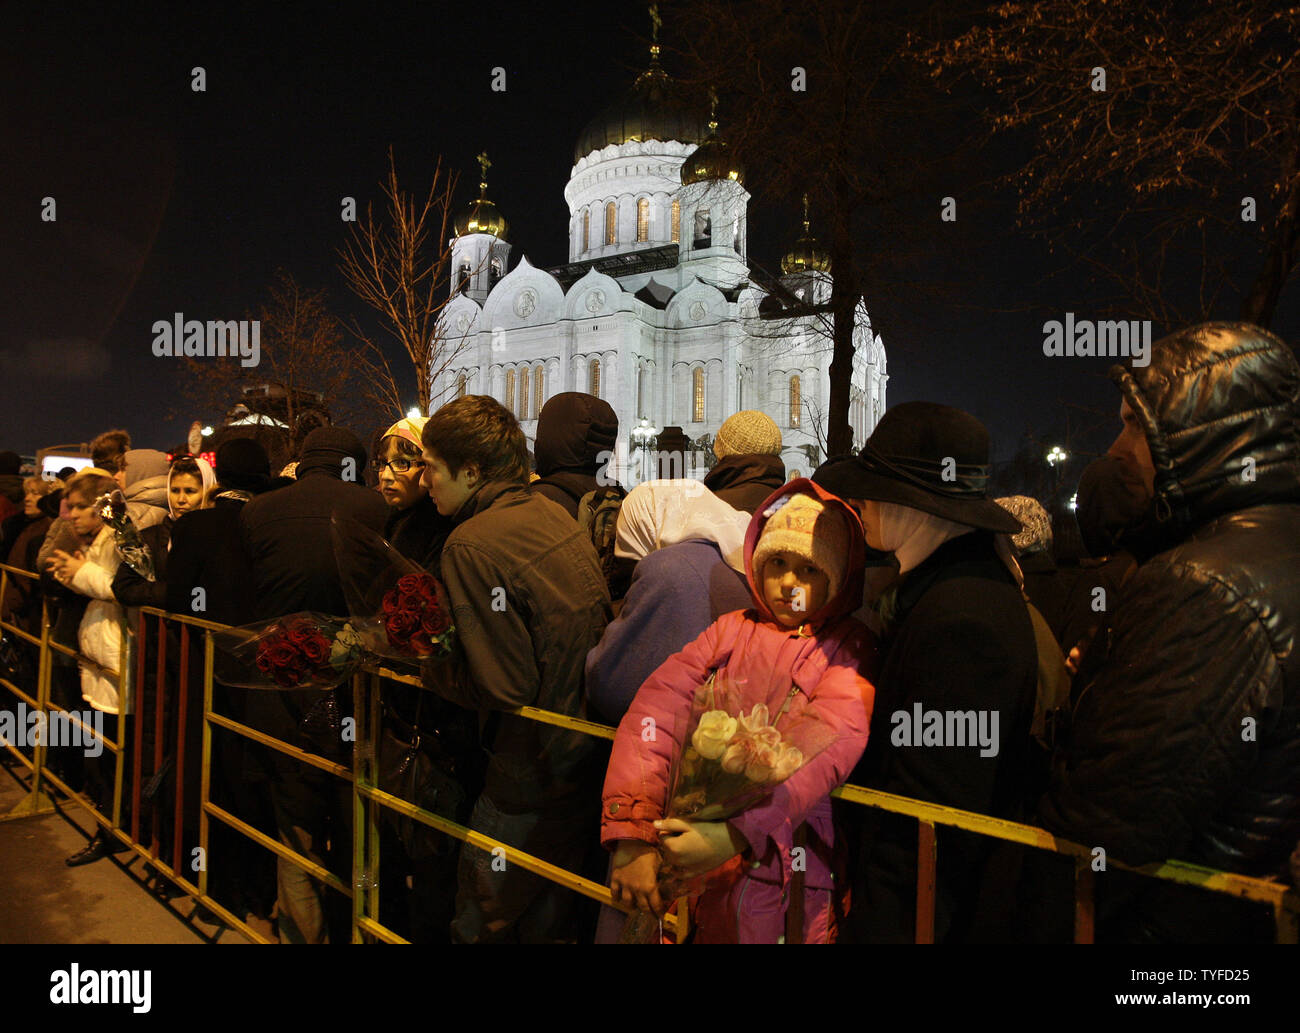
column 932, row 458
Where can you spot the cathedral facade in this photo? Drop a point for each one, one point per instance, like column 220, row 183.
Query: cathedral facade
column 655, row 312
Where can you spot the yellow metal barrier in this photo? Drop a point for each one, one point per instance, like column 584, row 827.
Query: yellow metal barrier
column 367, row 797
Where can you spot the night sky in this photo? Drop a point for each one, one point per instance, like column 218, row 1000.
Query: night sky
column 171, row 200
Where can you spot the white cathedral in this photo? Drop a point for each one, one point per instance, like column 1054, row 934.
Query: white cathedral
column 655, row 311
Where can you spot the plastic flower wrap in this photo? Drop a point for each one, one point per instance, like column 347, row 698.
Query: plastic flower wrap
column 300, row 651
column 734, row 752
column 400, row 610
column 130, row 546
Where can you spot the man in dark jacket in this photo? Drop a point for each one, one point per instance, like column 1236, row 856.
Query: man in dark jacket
column 956, row 684
column 576, row 434
column 749, row 467
column 1187, row 743
column 529, row 602
column 286, row 536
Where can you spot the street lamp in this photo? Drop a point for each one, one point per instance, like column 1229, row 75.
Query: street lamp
column 643, row 436
column 413, row 413
column 1056, row 455
column 207, row 432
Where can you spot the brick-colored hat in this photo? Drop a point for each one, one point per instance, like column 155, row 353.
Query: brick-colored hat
column 804, row 526
column 748, row 433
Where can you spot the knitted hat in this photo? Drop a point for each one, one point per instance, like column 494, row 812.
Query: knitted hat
column 748, row 433
column 1037, row 533
column 802, row 525
column 326, row 449
column 408, row 429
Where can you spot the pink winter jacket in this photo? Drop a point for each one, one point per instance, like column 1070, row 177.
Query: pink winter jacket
column 821, row 663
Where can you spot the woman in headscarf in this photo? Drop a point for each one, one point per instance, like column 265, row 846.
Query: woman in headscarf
column 689, row 547
column 958, row 644
column 414, row 527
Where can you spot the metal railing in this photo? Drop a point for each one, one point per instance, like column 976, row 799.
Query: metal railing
column 368, row 799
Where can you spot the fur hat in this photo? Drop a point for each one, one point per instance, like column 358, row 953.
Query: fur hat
column 748, row 433
column 804, row 526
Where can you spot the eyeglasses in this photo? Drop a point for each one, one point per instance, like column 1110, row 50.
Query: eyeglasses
column 402, row 464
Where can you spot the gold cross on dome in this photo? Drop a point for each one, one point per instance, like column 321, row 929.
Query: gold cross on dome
column 484, row 165
column 655, row 22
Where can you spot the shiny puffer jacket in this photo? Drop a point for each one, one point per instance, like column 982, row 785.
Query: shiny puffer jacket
column 1187, row 745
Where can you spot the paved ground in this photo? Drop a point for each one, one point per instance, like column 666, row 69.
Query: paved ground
column 44, row 901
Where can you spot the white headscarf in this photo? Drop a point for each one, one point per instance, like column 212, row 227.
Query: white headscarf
column 206, row 475
column 657, row 514
column 912, row 536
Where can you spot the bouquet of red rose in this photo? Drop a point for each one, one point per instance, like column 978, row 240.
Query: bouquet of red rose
column 401, row 610
column 300, row 651
column 727, row 761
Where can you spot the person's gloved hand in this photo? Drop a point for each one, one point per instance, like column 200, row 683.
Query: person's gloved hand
column 697, row 847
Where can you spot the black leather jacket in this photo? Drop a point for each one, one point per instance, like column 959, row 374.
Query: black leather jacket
column 1187, row 744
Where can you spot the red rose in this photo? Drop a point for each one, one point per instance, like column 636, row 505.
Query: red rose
column 429, row 589
column 391, row 604
column 401, row 624
column 316, row 648
column 421, row 644
column 263, row 659
column 287, row 678
column 299, row 631
column 281, row 654
column 409, row 583
column 435, row 621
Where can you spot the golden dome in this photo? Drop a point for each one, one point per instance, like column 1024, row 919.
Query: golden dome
column 655, row 108
column 807, row 255
column 481, row 215
column 712, row 159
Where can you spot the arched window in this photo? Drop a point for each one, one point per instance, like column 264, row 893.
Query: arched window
column 642, row 220
column 703, row 229
column 509, row 400
column 594, row 378
column 539, row 387
column 494, row 273
column 697, row 396
column 463, row 278
column 460, row 385
column 677, row 222
column 586, row 229
column 611, row 223
column 523, row 394
column 796, row 401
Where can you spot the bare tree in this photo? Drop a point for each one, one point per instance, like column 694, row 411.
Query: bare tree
column 1165, row 140
column 399, row 264
column 824, row 97
column 304, row 367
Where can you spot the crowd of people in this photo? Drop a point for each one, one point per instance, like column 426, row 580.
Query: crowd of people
column 1143, row 702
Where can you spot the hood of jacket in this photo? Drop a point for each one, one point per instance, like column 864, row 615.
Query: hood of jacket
column 150, row 491
column 573, row 430
column 144, row 464
column 849, row 596
column 1220, row 407
column 737, row 470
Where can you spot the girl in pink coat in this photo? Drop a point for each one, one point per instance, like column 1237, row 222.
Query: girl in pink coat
column 797, row 649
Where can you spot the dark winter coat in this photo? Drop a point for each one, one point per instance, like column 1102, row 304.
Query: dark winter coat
column 1187, row 743
column 576, row 434
column 529, row 603
column 22, row 596
column 961, row 640
column 743, row 482
column 675, row 594
column 418, row 532
column 287, row 539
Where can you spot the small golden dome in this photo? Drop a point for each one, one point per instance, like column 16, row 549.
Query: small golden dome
column 481, row 215
column 807, row 255
column 712, row 160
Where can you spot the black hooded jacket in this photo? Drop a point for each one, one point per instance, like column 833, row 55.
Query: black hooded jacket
column 576, row 434
column 743, row 482
column 1187, row 743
